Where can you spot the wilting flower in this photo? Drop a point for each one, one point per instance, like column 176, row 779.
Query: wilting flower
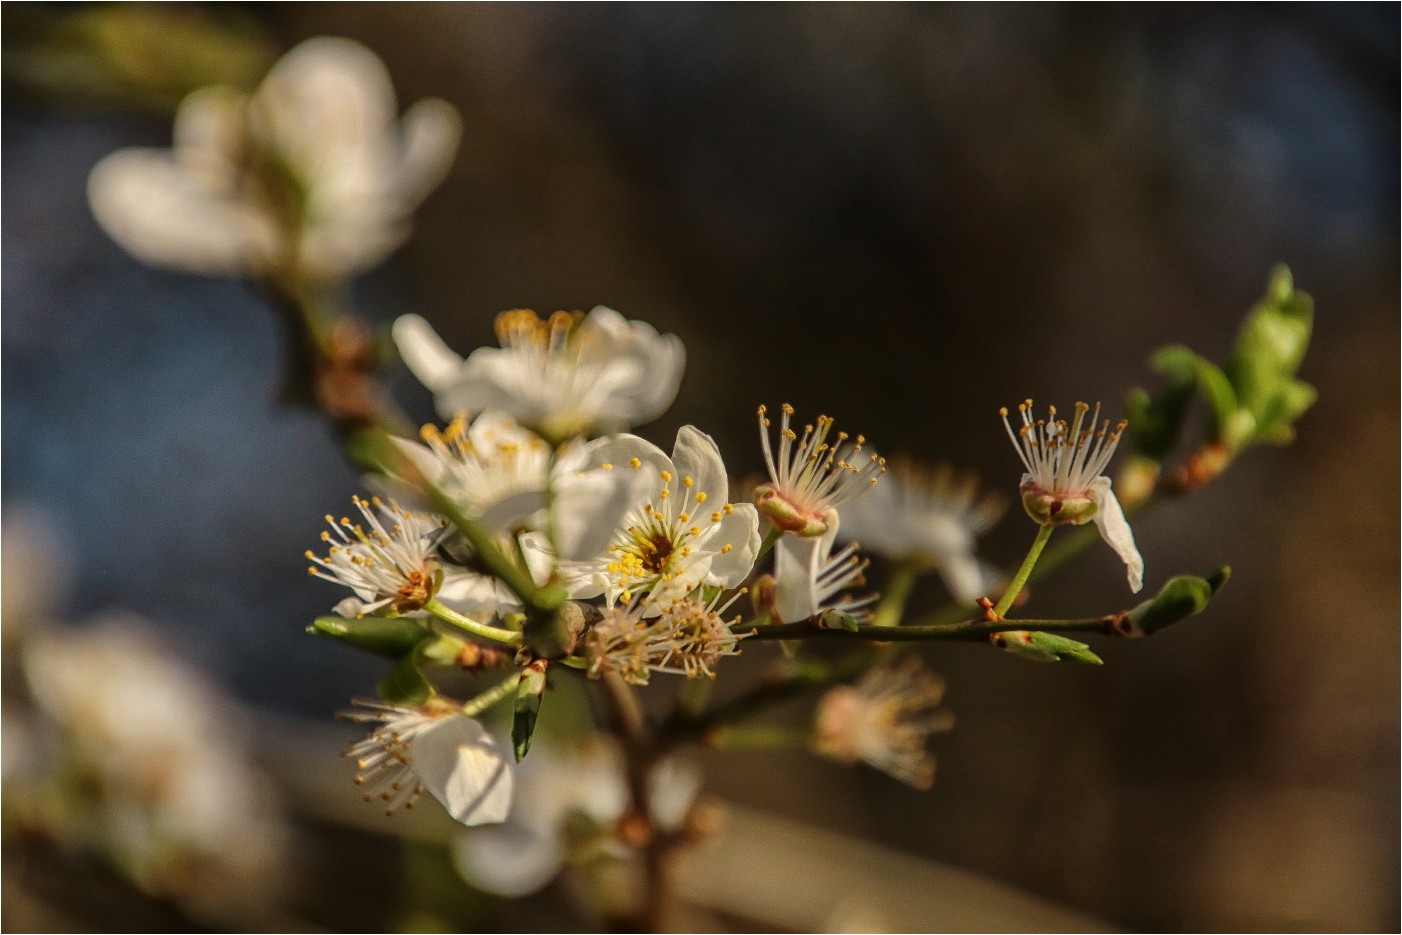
column 387, row 561
column 811, row 476
column 681, row 536
column 1065, row 482
column 309, row 176
column 810, row 578
column 687, row 639
column 884, row 720
column 563, row 376
column 567, row 806
column 929, row 518
column 433, row 748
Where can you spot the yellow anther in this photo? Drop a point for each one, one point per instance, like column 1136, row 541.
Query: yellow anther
column 606, row 466
column 682, row 517
column 666, row 476
column 634, row 463
column 701, row 496
column 726, row 548
column 687, row 480
column 729, row 508
column 715, row 517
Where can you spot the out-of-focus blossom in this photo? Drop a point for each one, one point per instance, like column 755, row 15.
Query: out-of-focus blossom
column 310, row 178
column 929, row 518
column 568, row 803
column 143, row 762
column 563, row 376
column 884, row 719
column 433, row 748
column 1065, row 483
column 811, row 476
column 810, row 578
column 682, row 535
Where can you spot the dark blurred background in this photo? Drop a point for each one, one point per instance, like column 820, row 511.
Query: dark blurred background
column 906, row 216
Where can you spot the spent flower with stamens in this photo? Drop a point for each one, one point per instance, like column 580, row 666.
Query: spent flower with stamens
column 884, row 720
column 929, row 518
column 564, row 376
column 812, row 474
column 433, row 748
column 687, row 639
column 1065, row 483
column 387, row 560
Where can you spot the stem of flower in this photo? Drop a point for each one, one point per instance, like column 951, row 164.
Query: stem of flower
column 771, row 537
column 499, row 692
column 965, row 630
column 1024, row 571
column 895, row 594
column 448, row 615
column 758, row 737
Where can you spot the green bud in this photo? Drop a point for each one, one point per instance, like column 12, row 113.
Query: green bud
column 1044, row 647
column 530, row 691
column 384, row 636
column 1182, row 596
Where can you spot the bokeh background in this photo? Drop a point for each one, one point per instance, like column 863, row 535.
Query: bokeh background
column 904, row 215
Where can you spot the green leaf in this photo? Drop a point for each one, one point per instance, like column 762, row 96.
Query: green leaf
column 1044, row 647
column 405, row 684
column 529, row 693
column 1182, row 596
column 1178, row 362
column 384, row 636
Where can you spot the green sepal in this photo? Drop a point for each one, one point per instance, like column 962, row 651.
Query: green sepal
column 385, row 636
column 405, row 683
column 1182, row 596
column 530, row 691
column 1044, row 647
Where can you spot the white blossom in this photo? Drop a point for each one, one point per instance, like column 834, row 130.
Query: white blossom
column 311, row 175
column 682, row 534
column 387, row 559
column 1065, row 483
column 929, row 518
column 688, row 638
column 563, row 376
column 433, row 748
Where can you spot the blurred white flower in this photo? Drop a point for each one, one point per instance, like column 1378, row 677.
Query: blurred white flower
column 682, row 535
column 311, row 176
column 568, row 803
column 146, row 763
column 1065, row 483
column 433, row 748
column 564, row 376
column 929, row 518
column 810, row 578
column 812, row 476
column 884, row 719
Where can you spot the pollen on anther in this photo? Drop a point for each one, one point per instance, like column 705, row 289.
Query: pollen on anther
column 635, row 463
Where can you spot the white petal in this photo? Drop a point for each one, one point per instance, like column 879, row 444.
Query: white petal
column 589, row 508
column 431, row 129
column 697, row 456
column 673, row 786
column 424, row 353
column 475, row 595
column 740, row 531
column 464, row 767
column 797, row 561
column 511, row 860
column 1114, row 529
column 162, row 215
column 964, row 576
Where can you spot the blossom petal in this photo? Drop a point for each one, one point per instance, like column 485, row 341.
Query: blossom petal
column 797, row 561
column 511, row 860
column 589, row 508
column 697, row 456
column 435, row 364
column 431, row 130
column 740, row 531
column 1114, row 529
column 465, row 768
